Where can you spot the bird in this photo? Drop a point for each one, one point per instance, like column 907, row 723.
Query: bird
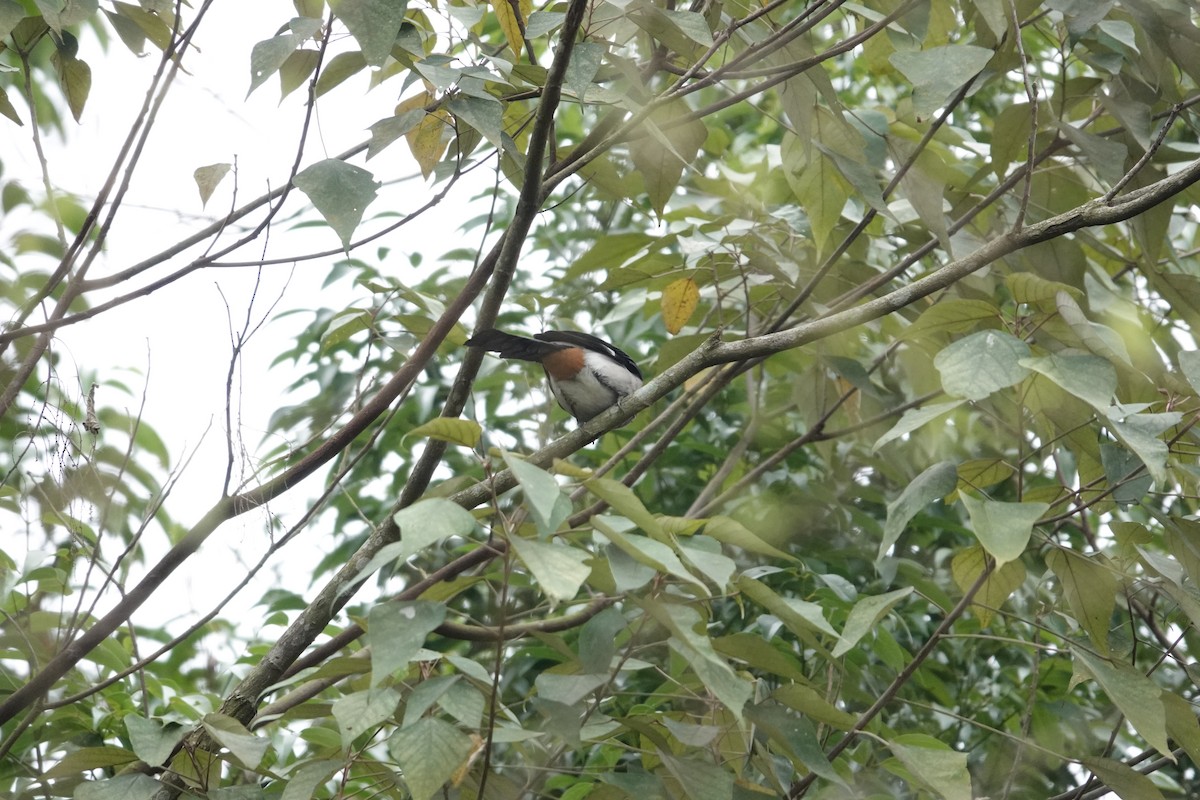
column 587, row 375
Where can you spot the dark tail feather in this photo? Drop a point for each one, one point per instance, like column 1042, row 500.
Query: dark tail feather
column 509, row 346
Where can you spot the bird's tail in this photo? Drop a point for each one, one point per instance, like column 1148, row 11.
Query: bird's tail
column 508, row 345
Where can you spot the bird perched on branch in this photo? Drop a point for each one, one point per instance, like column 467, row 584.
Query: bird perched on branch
column 587, row 375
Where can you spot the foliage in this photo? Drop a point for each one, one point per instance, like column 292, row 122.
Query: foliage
column 908, row 510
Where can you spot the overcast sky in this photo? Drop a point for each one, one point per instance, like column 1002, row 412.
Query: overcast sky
column 179, row 334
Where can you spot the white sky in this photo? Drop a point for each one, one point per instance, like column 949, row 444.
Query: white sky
column 180, row 332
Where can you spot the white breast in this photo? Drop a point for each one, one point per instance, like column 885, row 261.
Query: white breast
column 599, row 385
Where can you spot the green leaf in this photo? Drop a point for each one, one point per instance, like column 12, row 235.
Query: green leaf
column 697, row 650
column 1182, row 540
column 485, row 116
column 430, row 521
column 583, row 66
column 625, row 502
column 303, row 782
column 135, row 25
column 542, row 22
column 703, row 555
column 861, row 177
column 11, row 13
column 1138, row 697
column 122, row 787
column 934, row 765
column 647, row 551
column 1104, row 154
column 60, row 14
column 699, row 780
column 75, row 78
column 340, row 191
column 865, row 615
column 915, row 418
column 386, row 131
column 1126, row 782
column 818, row 185
column 934, row 483
column 1189, row 365
column 692, row 25
column 796, row 737
column 1182, row 726
column 153, row 26
column 8, row 110
column 343, row 327
column 429, row 752
column 373, row 24
column 610, row 252
column 359, row 712
column 1090, row 588
column 982, row 363
column 809, row 702
column 338, row 70
column 243, row 745
column 1032, row 289
column 992, row 14
column 151, row 739
column 682, row 32
column 799, row 616
column 465, row 703
column 952, row 316
column 632, row 785
column 568, row 689
column 729, row 531
column 559, row 569
column 670, row 146
column 939, row 72
column 470, row 668
column 269, row 55
column 1090, row 378
column 86, row 759
column 1141, row 433
column 396, row 631
column 543, row 497
column 629, row 572
column 297, row 70
column 426, row 693
column 463, row 432
column 207, row 179
column 598, row 640
column 1119, row 465
column 1100, row 339
column 1003, row 528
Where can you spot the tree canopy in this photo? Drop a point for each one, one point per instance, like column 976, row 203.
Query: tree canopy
column 906, row 508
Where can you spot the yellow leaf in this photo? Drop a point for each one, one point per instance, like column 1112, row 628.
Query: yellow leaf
column 413, row 103
column 208, row 177
column 982, row 472
column 460, row 774
column 455, row 431
column 679, row 300
column 512, row 15
column 968, row 565
column 428, row 139
column 1090, row 589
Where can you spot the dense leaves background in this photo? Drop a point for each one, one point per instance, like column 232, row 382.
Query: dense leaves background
column 908, row 509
